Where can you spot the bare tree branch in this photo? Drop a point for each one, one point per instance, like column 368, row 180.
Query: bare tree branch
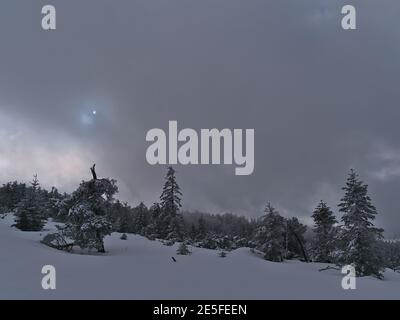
column 328, row 268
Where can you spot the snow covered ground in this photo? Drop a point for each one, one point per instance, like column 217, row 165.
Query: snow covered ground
column 142, row 269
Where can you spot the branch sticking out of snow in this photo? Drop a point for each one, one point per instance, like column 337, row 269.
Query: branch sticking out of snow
column 328, row 268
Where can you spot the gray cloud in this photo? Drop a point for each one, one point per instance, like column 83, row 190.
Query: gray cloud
column 321, row 100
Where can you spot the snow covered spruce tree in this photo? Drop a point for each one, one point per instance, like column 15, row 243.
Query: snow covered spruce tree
column 324, row 242
column 28, row 212
column 270, row 235
column 170, row 203
column 359, row 237
column 87, row 210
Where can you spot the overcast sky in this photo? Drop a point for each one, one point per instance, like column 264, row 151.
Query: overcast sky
column 321, row 99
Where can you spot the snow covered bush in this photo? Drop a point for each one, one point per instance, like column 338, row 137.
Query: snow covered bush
column 57, row 241
column 222, row 254
column 168, row 243
column 183, row 249
column 124, row 237
column 210, row 241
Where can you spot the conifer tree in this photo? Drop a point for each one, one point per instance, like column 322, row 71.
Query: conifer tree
column 270, row 235
column 29, row 214
column 155, row 227
column 359, row 235
column 193, row 233
column 173, row 228
column 141, row 219
column 202, row 229
column 324, row 243
column 122, row 217
column 88, row 209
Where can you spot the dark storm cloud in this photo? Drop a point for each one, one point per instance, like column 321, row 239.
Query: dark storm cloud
column 321, row 99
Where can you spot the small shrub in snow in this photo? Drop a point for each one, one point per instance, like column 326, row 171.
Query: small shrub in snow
column 183, row 249
column 124, row 237
column 222, row 254
column 168, row 243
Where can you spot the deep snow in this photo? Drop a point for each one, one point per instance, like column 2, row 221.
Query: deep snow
column 142, row 269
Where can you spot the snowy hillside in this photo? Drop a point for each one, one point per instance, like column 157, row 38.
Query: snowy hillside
column 142, row 269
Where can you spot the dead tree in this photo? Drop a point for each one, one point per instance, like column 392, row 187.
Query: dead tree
column 94, row 172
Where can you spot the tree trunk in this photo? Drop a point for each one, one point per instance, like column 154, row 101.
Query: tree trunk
column 301, row 246
column 102, row 249
column 93, row 170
